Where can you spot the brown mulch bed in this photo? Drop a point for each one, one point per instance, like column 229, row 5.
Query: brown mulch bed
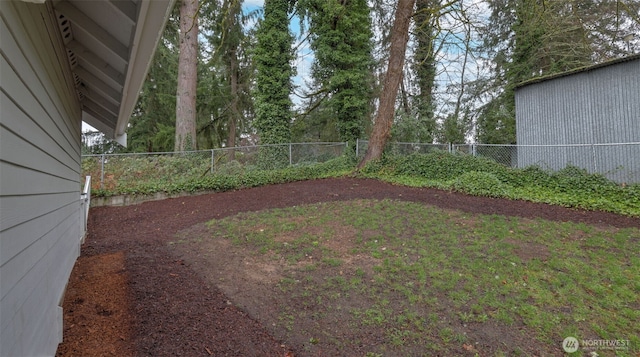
column 129, row 296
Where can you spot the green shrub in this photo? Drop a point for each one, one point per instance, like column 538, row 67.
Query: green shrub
column 480, row 184
column 230, row 168
column 532, row 175
column 570, row 187
column 575, row 179
column 437, row 165
column 273, row 157
column 230, row 176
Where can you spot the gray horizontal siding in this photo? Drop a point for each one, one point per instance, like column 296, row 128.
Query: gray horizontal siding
column 20, row 237
column 40, row 213
column 26, row 136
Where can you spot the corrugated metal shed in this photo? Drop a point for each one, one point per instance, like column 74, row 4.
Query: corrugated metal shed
column 594, row 108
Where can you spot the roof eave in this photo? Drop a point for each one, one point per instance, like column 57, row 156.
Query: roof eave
column 545, row 78
column 152, row 18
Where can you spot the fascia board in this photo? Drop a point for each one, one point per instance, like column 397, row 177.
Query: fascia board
column 152, row 18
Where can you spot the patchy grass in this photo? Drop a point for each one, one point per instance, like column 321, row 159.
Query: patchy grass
column 377, row 278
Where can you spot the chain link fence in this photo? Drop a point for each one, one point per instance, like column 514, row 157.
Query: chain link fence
column 503, row 154
column 400, row 148
column 619, row 162
column 108, row 170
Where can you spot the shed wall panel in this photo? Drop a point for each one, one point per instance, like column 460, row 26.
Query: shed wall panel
column 598, row 106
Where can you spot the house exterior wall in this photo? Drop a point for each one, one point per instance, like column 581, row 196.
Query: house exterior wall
column 40, row 157
column 594, row 106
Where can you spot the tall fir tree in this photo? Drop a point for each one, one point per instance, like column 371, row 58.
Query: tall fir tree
column 273, row 57
column 187, row 77
column 227, row 73
column 526, row 39
column 424, row 68
column 153, row 120
column 340, row 33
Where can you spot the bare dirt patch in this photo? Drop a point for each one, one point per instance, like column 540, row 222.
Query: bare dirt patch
column 170, row 307
column 530, row 250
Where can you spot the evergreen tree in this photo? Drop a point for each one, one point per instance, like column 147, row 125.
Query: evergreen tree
column 187, row 77
column 340, row 33
column 224, row 102
column 273, row 56
column 231, row 26
column 318, row 125
column 528, row 38
column 152, row 124
column 424, row 68
column 452, row 129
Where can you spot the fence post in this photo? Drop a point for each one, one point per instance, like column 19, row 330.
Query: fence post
column 212, row 160
column 595, row 160
column 102, row 171
column 357, row 146
column 290, row 156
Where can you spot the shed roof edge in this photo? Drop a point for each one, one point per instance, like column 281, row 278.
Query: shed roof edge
column 629, row 58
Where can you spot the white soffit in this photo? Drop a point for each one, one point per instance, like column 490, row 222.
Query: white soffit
column 110, row 45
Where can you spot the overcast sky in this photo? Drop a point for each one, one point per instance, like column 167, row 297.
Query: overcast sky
column 257, row 3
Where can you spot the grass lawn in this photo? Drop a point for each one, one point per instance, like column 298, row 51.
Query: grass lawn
column 378, row 278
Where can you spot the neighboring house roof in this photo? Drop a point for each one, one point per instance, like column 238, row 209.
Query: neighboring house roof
column 579, row 70
column 110, row 45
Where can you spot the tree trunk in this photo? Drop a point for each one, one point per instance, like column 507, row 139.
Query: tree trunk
column 425, row 65
column 384, row 118
column 187, row 77
column 235, row 107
